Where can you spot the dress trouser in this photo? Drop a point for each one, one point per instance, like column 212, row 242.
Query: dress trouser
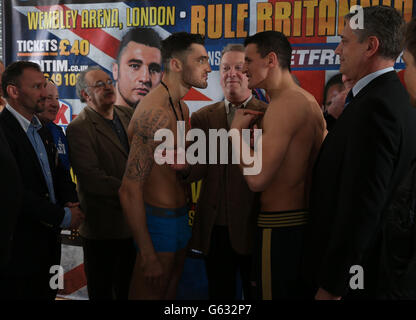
column 33, row 286
column 223, row 263
column 108, row 267
column 36, row 283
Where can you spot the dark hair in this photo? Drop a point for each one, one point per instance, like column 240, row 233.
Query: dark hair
column 177, row 44
column 272, row 41
column 13, row 72
column 387, row 25
column 410, row 39
column 146, row 36
column 334, row 80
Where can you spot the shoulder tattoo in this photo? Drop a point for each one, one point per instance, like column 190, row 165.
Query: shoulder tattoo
column 140, row 162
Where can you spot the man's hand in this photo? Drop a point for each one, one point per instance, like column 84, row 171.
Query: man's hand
column 153, row 272
column 77, row 216
column 337, row 104
column 244, row 118
column 71, row 204
column 322, row 294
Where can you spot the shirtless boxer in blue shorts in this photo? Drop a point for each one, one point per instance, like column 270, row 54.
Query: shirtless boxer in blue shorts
column 152, row 195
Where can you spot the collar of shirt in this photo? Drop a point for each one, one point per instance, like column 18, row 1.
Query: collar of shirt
column 368, row 78
column 24, row 123
column 228, row 103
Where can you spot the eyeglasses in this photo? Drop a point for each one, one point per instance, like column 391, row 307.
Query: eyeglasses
column 102, row 84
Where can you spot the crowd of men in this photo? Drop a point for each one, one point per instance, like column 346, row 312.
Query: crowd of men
column 316, row 210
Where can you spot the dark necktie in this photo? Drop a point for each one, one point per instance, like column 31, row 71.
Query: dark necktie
column 349, row 98
column 231, row 112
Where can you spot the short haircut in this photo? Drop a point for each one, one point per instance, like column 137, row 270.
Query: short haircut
column 146, row 36
column 82, row 83
column 410, row 39
column 236, row 47
column 272, row 41
column 387, row 25
column 334, row 80
column 13, row 72
column 176, row 45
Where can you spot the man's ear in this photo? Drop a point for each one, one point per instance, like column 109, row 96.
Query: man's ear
column 272, row 59
column 115, row 71
column 175, row 65
column 85, row 94
column 373, row 44
column 12, row 91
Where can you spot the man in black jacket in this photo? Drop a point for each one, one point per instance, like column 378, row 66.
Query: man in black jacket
column 10, row 192
column 49, row 200
column 361, row 162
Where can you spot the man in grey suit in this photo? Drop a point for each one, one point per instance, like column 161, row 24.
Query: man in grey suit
column 224, row 223
column 99, row 149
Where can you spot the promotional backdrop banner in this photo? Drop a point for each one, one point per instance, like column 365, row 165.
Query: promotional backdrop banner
column 65, row 37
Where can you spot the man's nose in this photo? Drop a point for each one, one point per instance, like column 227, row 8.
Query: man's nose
column 143, row 75
column 338, row 49
column 233, row 72
column 43, row 93
column 55, row 104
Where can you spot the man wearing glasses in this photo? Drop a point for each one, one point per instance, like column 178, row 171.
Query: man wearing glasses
column 98, row 148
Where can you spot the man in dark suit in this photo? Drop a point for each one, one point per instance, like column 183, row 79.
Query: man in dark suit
column 98, row 149
column 225, row 222
column 49, row 200
column 361, row 162
column 10, row 191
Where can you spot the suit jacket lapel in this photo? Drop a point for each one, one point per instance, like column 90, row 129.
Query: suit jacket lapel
column 125, row 120
column 391, row 76
column 219, row 117
column 23, row 141
column 254, row 104
column 104, row 128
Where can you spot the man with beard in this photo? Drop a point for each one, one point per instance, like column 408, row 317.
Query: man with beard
column 48, row 197
column 138, row 66
column 152, row 196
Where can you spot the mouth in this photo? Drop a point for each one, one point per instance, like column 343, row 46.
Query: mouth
column 141, row 91
column 53, row 112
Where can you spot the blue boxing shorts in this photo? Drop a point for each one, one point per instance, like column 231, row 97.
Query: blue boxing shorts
column 169, row 228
